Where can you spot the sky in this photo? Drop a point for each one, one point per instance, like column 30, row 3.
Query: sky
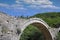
column 28, row 7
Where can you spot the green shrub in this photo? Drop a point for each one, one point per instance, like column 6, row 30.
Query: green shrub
column 32, row 33
column 58, row 37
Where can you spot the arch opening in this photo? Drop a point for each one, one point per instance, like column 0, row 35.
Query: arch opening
column 43, row 29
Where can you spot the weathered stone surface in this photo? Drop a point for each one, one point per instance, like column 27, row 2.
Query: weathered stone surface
column 10, row 24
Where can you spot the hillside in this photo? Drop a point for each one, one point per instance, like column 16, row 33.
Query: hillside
column 52, row 18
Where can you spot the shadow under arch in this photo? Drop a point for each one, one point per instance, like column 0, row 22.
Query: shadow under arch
column 41, row 25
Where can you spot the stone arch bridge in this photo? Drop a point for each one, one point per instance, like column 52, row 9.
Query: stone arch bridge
column 11, row 28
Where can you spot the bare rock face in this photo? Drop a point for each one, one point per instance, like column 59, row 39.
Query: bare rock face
column 8, row 27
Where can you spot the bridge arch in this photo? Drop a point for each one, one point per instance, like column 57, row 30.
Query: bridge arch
column 40, row 24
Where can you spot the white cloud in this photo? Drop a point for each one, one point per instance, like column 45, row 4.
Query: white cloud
column 38, row 3
column 19, row 5
column 35, row 2
column 17, row 1
column 13, row 6
column 4, row 5
column 49, row 6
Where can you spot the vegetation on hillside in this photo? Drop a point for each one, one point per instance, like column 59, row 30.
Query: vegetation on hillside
column 32, row 33
column 51, row 18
